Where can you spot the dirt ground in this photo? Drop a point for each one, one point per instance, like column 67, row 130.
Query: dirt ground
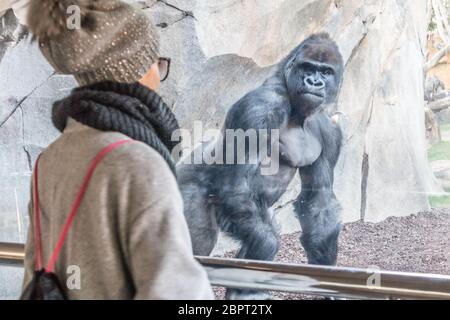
column 416, row 243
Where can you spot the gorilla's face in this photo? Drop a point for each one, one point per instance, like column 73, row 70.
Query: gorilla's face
column 313, row 76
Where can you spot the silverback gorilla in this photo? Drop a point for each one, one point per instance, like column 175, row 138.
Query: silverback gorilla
column 237, row 198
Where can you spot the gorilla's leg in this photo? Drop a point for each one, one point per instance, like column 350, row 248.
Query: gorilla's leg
column 318, row 212
column 199, row 212
column 253, row 227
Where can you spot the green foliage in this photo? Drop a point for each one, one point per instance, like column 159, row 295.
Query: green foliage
column 445, row 128
column 439, row 201
column 432, row 27
column 439, row 151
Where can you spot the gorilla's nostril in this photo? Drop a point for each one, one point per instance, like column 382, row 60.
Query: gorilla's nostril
column 320, row 84
column 315, row 83
column 309, row 81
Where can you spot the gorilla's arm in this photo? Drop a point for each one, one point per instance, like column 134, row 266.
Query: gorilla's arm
column 266, row 107
column 317, row 206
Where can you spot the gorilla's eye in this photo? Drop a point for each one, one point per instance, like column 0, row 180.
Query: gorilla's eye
column 328, row 72
column 308, row 68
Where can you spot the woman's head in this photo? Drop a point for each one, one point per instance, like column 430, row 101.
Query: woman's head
column 158, row 72
column 111, row 40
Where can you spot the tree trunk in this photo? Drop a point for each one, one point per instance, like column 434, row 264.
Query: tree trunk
column 436, row 58
column 439, row 105
column 433, row 131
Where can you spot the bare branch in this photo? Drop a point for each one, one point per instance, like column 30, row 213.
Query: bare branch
column 439, row 105
column 434, row 60
column 440, row 14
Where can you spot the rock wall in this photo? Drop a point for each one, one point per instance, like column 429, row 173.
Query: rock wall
column 221, row 49
column 233, row 45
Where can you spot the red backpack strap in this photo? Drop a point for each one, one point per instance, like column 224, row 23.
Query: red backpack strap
column 73, row 211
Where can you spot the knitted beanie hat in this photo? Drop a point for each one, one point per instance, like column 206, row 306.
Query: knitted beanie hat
column 115, row 41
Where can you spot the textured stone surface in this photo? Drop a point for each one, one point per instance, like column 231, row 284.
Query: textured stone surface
column 383, row 170
column 221, row 49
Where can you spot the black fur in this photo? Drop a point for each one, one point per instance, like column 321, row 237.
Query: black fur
column 237, row 198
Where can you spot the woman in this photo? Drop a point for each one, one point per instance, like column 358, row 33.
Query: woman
column 129, row 239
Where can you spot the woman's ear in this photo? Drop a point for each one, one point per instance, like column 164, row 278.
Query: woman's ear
column 152, row 79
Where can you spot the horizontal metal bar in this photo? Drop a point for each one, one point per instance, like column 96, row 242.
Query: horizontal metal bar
column 326, row 280
column 12, row 254
column 306, row 279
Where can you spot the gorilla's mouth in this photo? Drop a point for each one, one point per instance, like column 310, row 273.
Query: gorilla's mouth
column 315, row 94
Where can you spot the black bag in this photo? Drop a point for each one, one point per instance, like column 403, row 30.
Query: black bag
column 45, row 284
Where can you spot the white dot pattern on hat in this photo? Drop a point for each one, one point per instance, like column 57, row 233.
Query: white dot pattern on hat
column 121, row 45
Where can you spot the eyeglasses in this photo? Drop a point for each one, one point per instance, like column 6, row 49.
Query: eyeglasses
column 164, row 68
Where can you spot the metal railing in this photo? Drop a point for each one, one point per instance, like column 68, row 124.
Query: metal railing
column 12, row 254
column 338, row 282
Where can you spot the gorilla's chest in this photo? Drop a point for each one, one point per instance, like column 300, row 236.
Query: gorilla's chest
column 299, row 146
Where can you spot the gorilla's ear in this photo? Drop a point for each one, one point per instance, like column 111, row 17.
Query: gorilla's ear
column 288, row 66
column 290, row 63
